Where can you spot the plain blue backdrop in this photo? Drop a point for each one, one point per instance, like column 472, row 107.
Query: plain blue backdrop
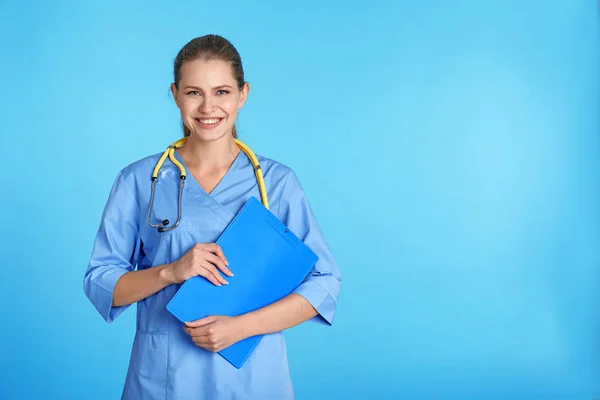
column 449, row 149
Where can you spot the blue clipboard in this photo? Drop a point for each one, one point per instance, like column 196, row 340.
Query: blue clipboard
column 268, row 262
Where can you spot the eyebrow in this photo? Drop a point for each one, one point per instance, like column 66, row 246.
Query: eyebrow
column 218, row 87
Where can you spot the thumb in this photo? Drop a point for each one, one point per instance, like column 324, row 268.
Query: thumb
column 201, row 322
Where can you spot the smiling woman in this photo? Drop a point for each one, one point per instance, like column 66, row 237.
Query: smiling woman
column 213, row 62
column 132, row 262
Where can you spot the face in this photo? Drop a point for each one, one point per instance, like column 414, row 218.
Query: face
column 209, row 98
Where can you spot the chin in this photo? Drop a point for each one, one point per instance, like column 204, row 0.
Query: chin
column 209, row 135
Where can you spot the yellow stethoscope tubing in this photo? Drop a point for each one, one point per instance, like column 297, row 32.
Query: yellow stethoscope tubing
column 170, row 153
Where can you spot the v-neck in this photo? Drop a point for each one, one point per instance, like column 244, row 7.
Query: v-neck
column 215, row 190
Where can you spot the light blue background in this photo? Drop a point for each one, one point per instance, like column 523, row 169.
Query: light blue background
column 449, row 149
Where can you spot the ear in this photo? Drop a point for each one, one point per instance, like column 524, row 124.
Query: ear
column 244, row 94
column 175, row 95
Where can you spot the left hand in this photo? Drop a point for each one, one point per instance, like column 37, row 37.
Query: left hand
column 215, row 333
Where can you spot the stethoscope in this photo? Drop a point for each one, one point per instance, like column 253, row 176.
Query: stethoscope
column 170, row 153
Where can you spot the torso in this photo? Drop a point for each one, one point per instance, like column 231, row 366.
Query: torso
column 208, row 179
column 164, row 362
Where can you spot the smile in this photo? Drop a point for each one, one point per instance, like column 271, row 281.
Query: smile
column 208, row 123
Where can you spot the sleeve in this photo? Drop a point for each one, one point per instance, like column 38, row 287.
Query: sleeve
column 322, row 285
column 115, row 251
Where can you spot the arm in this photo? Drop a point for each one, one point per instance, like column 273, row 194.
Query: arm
column 137, row 285
column 202, row 259
column 116, row 250
column 286, row 313
column 217, row 332
column 110, row 281
column 321, row 288
column 314, row 299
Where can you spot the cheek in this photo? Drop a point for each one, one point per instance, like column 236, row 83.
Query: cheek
column 186, row 107
column 230, row 106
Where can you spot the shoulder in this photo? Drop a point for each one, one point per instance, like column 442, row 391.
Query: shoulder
column 276, row 171
column 140, row 169
column 281, row 180
column 135, row 174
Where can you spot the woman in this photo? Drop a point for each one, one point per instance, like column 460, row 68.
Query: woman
column 169, row 360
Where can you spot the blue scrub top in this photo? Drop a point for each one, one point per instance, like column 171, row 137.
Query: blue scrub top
column 165, row 363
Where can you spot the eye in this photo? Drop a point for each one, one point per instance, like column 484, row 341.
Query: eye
column 222, row 92
column 193, row 92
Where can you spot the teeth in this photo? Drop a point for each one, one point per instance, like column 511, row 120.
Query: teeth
column 209, row 121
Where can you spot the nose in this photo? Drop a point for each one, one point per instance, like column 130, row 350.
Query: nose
column 207, row 105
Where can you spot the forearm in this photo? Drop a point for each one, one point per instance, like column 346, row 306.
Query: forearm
column 137, row 285
column 290, row 311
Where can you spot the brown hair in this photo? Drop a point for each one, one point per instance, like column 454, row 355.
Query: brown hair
column 209, row 47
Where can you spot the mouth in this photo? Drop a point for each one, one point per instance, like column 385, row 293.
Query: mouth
column 208, row 123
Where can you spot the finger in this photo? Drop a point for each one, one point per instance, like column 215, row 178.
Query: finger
column 200, row 333
column 208, row 346
column 214, row 259
column 220, row 347
column 215, row 248
column 213, row 270
column 205, row 340
column 199, row 342
column 196, row 332
column 219, row 252
column 208, row 275
column 202, row 321
column 218, row 262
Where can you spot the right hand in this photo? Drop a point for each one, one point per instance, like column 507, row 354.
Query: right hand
column 204, row 259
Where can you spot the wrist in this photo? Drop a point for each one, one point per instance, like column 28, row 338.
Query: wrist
column 165, row 274
column 248, row 325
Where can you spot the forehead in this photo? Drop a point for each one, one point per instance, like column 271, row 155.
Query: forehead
column 208, row 73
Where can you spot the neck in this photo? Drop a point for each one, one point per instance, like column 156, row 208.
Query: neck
column 211, row 155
